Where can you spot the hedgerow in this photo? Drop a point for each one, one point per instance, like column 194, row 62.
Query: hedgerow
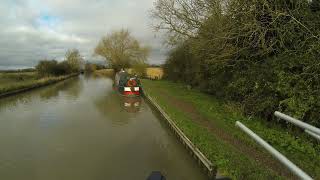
column 263, row 54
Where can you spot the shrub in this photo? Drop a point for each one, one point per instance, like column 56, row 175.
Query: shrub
column 53, row 68
column 262, row 54
column 139, row 69
column 90, row 67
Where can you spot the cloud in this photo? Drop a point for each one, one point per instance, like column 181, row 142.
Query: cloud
column 32, row 30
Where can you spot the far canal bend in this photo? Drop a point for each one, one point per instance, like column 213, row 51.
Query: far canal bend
column 81, row 129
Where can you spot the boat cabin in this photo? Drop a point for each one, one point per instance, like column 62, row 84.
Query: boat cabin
column 126, row 84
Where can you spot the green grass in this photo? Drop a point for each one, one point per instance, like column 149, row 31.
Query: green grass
column 10, row 82
column 298, row 147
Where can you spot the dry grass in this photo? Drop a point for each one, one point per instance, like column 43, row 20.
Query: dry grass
column 11, row 79
column 154, row 73
column 104, row 72
column 17, row 81
column 151, row 72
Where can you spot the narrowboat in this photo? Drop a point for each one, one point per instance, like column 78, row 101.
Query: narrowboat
column 127, row 85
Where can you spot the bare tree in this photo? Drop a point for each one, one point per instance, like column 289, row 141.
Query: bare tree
column 182, row 18
column 121, row 50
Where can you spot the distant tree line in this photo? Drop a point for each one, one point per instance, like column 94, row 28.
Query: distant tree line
column 154, row 65
column 71, row 64
column 263, row 54
column 91, row 67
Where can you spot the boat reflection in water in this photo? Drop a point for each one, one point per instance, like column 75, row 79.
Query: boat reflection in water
column 130, row 104
column 129, row 89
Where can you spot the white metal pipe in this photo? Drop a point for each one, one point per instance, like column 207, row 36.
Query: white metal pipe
column 297, row 122
column 316, row 136
column 292, row 167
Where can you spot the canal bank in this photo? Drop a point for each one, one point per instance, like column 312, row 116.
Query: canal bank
column 23, row 87
column 81, row 129
column 201, row 159
column 209, row 124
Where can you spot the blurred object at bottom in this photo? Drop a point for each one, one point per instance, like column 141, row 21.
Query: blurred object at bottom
column 156, row 175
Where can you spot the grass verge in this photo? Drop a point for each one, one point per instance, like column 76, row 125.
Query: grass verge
column 104, row 72
column 17, row 82
column 209, row 124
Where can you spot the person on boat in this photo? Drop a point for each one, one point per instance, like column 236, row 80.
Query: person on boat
column 120, row 77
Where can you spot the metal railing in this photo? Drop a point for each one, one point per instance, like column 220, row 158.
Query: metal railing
column 292, row 167
column 309, row 129
column 314, row 135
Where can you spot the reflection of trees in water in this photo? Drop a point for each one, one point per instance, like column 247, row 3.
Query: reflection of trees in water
column 88, row 76
column 12, row 101
column 117, row 108
column 72, row 87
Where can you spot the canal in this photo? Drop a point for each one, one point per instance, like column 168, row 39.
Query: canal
column 81, row 129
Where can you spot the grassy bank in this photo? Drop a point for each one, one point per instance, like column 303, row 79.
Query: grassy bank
column 104, row 72
column 151, row 72
column 209, row 123
column 15, row 82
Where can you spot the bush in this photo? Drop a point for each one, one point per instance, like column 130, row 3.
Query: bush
column 74, row 60
column 53, row 68
column 90, row 67
column 262, row 54
column 139, row 69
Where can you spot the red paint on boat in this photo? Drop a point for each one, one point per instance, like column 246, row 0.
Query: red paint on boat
column 128, row 93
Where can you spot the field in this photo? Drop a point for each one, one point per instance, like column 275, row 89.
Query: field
column 104, row 72
column 12, row 79
column 154, row 73
column 10, row 82
column 151, row 72
column 210, row 124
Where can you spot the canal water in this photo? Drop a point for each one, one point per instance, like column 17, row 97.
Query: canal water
column 80, row 129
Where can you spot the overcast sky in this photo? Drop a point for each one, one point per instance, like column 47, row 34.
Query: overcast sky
column 31, row 30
